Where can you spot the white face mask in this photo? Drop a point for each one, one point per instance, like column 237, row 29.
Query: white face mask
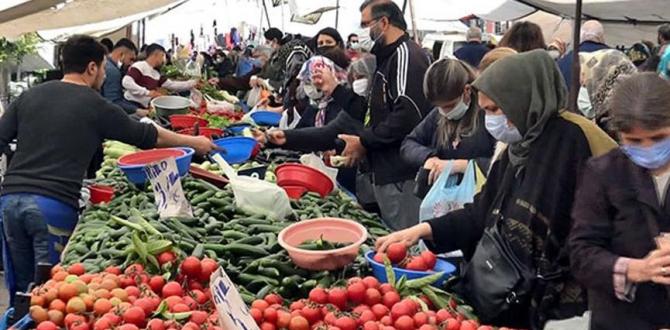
column 500, row 130
column 365, row 41
column 312, row 92
column 457, row 112
column 360, row 86
column 584, row 103
column 355, row 45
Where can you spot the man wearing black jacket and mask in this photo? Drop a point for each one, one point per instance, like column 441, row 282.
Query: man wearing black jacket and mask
column 396, row 104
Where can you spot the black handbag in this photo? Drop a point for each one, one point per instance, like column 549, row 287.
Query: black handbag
column 421, row 188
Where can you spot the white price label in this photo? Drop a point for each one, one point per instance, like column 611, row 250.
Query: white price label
column 166, row 183
column 233, row 312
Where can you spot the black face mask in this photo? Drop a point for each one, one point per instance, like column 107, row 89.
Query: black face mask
column 324, row 49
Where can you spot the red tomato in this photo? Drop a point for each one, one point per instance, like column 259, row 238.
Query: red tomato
column 268, row 326
column 146, row 304
column 156, row 283
column 356, row 292
column 270, row 315
column 330, row 318
column 191, row 267
column 442, row 315
column 338, row 297
column 190, row 302
column 134, row 315
column 180, row 308
column 134, row 269
column 125, row 327
column 400, row 309
column 469, row 325
column 485, row 327
column 156, row 324
column 396, row 252
column 312, row 314
column 416, row 263
column 283, row 319
column 346, row 323
column 297, row 305
column 319, row 296
column 132, row 291
column 47, row 325
column 366, row 316
column 257, row 315
column 427, row 327
column 172, row 289
column 77, row 269
column 353, row 280
column 429, row 258
column 379, row 257
column 208, row 266
column 385, row 287
column 127, row 280
column 113, row 270
column 298, row 323
column 380, row 311
column 198, row 296
column 166, row 257
column 101, row 324
column 195, row 285
column 260, row 304
column 199, row 317
column 390, row 298
column 386, row 320
column 411, row 304
column 372, row 297
column 370, row 325
column 371, row 282
column 274, row 299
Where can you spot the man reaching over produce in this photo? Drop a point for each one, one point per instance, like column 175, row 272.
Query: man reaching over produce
column 144, row 79
column 58, row 126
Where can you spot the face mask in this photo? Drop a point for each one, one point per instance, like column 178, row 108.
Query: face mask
column 457, row 112
column 584, row 103
column 653, row 157
column 360, row 86
column 313, row 93
column 355, row 45
column 365, row 40
column 498, row 128
column 323, row 49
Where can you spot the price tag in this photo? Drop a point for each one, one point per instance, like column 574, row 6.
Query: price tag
column 233, row 312
column 165, row 181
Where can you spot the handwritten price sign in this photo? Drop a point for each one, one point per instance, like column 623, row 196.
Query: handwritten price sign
column 169, row 196
column 233, row 312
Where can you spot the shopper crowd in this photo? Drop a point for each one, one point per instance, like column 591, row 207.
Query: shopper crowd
column 574, row 214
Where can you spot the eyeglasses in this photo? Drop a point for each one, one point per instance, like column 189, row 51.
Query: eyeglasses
column 370, row 22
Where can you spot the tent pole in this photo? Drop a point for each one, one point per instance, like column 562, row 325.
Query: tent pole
column 337, row 13
column 282, row 15
column 411, row 14
column 576, row 67
column 404, row 6
column 267, row 16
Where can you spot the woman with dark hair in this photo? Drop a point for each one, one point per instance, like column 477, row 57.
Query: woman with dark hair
column 523, row 36
column 328, row 38
column 521, row 218
column 453, row 131
column 619, row 245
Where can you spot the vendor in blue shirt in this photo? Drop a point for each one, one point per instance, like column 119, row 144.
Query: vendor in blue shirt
column 123, row 55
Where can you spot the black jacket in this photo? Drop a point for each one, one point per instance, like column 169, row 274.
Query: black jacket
column 396, row 105
column 422, row 144
column 609, row 223
column 308, row 117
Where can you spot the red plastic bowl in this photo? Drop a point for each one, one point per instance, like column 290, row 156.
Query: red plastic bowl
column 149, row 156
column 297, row 175
column 186, row 121
column 295, row 192
column 332, row 229
column 101, row 193
column 204, row 131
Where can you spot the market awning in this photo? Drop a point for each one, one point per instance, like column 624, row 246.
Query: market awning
column 77, row 13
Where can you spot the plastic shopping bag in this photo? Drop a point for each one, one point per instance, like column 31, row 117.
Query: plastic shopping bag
column 254, row 96
column 316, row 162
column 254, row 195
column 447, row 195
column 283, row 122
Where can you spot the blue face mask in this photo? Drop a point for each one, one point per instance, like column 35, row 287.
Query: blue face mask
column 653, row 157
column 498, row 128
column 457, row 112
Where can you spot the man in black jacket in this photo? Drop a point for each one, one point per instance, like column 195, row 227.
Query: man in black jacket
column 396, row 104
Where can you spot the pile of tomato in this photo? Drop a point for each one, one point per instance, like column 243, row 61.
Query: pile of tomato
column 399, row 256
column 128, row 299
column 361, row 304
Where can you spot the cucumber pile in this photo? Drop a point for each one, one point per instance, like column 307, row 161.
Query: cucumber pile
column 128, row 230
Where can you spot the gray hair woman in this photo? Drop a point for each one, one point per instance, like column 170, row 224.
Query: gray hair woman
column 619, row 246
column 453, row 131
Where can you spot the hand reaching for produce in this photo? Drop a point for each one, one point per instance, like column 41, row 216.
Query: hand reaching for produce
column 354, row 150
column 142, row 112
column 409, row 237
column 202, row 145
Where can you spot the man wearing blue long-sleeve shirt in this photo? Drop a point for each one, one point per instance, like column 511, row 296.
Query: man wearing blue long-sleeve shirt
column 123, row 54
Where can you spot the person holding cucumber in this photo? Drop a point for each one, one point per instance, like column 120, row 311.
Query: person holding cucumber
column 58, row 126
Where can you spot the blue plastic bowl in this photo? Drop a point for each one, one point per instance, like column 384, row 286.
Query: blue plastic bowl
column 237, row 129
column 266, row 118
column 136, row 174
column 238, row 149
column 379, row 271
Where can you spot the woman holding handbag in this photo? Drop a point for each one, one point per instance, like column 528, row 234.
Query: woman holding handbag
column 619, row 246
column 453, row 131
column 513, row 235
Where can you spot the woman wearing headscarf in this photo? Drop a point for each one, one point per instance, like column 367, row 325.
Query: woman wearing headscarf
column 601, row 72
column 454, row 130
column 621, row 210
column 513, row 235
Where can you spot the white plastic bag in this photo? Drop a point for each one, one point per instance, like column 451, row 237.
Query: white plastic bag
column 316, row 162
column 256, row 196
column 216, row 106
column 254, row 96
column 283, row 122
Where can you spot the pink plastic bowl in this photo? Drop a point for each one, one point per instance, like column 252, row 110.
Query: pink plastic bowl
column 332, row 229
